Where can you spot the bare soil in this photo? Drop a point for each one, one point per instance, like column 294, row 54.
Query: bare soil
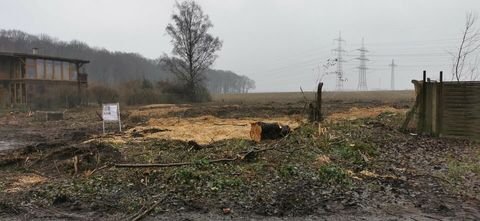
column 359, row 166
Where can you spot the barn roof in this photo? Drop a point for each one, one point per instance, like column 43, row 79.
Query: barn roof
column 39, row 56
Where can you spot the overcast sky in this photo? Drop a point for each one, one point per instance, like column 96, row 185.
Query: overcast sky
column 278, row 43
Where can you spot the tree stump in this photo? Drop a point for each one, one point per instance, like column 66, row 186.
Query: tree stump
column 268, row 131
column 315, row 108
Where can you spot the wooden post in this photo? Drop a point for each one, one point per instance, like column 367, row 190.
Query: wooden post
column 433, row 108
column 440, row 105
column 423, row 108
column 319, row 102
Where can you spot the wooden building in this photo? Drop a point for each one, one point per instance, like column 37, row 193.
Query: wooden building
column 26, row 77
column 446, row 108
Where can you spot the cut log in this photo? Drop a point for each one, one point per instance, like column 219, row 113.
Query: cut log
column 268, row 131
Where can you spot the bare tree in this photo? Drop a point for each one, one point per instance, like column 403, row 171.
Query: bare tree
column 473, row 69
column 469, row 44
column 194, row 49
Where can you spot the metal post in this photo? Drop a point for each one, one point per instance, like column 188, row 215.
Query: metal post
column 119, row 120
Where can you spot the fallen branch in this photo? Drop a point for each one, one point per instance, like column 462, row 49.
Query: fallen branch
column 146, row 212
column 98, row 169
column 139, row 215
column 152, row 164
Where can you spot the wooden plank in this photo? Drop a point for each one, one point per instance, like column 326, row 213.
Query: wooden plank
column 428, row 109
column 434, row 102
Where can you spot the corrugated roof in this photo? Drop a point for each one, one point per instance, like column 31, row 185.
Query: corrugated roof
column 14, row 54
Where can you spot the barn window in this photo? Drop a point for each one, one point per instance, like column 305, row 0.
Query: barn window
column 49, row 69
column 66, row 71
column 58, row 70
column 73, row 72
column 30, row 68
column 40, row 69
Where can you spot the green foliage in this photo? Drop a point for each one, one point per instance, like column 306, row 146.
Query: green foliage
column 288, row 170
column 349, row 154
column 190, row 176
column 307, row 131
column 225, row 182
column 354, row 153
column 185, row 173
column 458, row 170
column 332, row 174
column 202, row 162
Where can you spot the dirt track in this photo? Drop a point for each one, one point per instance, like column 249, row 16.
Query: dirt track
column 362, row 167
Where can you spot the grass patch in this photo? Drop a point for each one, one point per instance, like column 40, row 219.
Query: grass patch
column 224, row 182
column 188, row 176
column 353, row 154
column 457, row 170
column 288, row 171
column 332, row 174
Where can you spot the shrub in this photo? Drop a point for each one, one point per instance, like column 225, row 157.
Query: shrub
column 53, row 97
column 102, row 94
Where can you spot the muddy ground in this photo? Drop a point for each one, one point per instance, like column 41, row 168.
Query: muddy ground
column 361, row 167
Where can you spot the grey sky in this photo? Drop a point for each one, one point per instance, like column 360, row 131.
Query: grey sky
column 278, row 43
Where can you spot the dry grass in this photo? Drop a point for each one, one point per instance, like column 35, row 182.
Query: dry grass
column 21, row 182
column 294, row 97
column 357, row 113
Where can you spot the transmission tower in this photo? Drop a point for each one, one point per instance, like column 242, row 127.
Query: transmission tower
column 392, row 75
column 362, row 69
column 339, row 59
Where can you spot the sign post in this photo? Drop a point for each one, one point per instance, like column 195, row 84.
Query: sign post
column 111, row 113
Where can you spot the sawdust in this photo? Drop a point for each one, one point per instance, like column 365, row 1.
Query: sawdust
column 206, row 129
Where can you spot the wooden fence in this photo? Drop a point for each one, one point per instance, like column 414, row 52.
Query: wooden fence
column 450, row 109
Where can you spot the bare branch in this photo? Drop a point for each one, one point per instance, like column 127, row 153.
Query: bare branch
column 469, row 44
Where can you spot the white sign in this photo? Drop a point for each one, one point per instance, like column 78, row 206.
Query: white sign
column 111, row 113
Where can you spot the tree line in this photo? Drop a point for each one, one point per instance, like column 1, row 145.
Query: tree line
column 112, row 68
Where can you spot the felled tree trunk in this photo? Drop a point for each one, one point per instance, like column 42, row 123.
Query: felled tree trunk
column 268, row 131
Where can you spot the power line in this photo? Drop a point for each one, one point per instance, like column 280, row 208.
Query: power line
column 339, row 50
column 392, row 75
column 362, row 69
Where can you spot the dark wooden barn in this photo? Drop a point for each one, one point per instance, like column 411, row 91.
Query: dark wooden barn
column 26, row 77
